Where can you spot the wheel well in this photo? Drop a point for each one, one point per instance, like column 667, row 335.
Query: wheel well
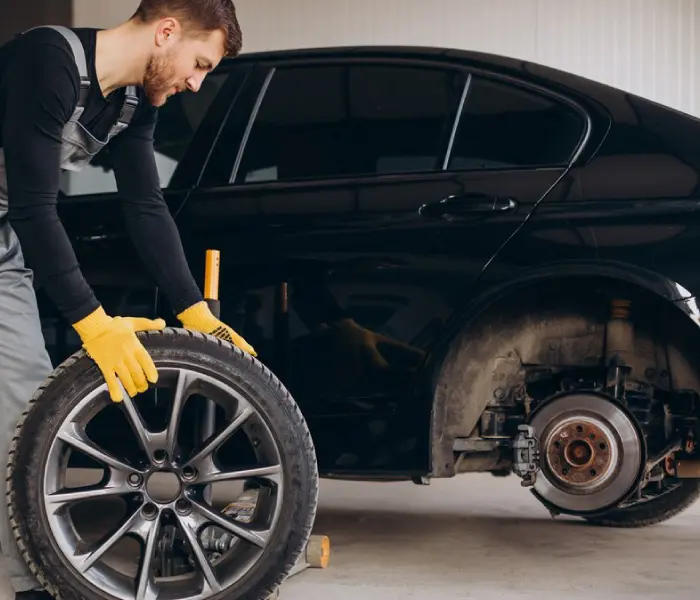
column 561, row 322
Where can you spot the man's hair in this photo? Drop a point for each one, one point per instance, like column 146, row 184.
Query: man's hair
column 198, row 16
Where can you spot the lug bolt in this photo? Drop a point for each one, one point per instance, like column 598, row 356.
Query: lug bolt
column 135, row 480
column 149, row 511
column 182, row 506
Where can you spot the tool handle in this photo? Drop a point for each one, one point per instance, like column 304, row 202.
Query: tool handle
column 211, row 281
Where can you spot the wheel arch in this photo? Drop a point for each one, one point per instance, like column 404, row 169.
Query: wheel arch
column 556, row 313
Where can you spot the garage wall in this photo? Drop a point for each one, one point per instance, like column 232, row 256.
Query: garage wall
column 647, row 47
column 17, row 16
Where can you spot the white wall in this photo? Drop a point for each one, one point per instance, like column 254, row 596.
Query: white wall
column 648, row 47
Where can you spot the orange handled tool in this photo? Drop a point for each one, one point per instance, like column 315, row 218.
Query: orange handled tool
column 212, row 267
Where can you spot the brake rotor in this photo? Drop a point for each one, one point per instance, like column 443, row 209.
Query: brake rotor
column 592, row 452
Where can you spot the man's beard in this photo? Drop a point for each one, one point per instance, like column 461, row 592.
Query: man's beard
column 158, row 80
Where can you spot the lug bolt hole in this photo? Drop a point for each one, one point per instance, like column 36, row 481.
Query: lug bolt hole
column 557, row 444
column 149, row 511
column 594, row 472
column 601, row 446
column 189, row 473
column 160, row 456
column 182, row 506
column 579, row 428
column 135, row 480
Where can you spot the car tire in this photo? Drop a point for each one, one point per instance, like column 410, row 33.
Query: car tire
column 653, row 511
column 76, row 376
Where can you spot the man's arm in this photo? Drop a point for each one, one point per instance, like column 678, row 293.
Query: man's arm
column 41, row 93
column 148, row 220
column 153, row 231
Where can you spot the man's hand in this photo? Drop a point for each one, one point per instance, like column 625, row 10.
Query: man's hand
column 200, row 318
column 112, row 343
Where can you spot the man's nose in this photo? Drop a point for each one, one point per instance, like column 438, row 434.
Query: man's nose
column 194, row 83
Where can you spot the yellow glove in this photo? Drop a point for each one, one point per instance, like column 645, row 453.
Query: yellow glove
column 199, row 318
column 143, row 324
column 112, row 343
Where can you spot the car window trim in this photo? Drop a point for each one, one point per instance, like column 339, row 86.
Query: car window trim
column 458, row 119
column 333, row 61
column 510, row 80
column 448, row 65
column 251, row 122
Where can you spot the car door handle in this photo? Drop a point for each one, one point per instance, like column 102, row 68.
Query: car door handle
column 468, row 204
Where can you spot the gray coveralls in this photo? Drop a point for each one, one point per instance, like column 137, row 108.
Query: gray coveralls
column 24, row 360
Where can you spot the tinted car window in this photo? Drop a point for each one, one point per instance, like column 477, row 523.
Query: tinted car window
column 178, row 121
column 504, row 126
column 340, row 120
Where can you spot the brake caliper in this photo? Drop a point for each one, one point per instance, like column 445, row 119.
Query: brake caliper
column 526, row 455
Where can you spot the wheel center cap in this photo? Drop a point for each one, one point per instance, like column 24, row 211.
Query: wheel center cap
column 163, row 487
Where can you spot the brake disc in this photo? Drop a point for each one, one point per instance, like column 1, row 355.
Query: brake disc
column 592, row 453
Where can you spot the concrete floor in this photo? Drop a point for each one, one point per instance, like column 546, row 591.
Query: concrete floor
column 487, row 538
column 481, row 537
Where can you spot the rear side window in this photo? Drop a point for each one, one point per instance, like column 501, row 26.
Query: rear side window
column 503, row 126
column 333, row 121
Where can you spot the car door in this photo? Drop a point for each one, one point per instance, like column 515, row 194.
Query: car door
column 373, row 190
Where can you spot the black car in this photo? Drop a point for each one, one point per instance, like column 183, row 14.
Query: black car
column 456, row 262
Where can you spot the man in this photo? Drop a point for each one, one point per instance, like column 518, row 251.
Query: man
column 64, row 95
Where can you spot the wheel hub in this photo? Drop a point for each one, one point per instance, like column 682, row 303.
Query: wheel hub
column 163, row 487
column 592, row 452
column 581, row 453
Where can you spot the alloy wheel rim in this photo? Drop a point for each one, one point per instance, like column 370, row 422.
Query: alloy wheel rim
column 186, row 510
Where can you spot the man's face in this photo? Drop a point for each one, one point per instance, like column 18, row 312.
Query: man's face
column 181, row 64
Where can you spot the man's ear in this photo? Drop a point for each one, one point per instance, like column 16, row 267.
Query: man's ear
column 168, row 29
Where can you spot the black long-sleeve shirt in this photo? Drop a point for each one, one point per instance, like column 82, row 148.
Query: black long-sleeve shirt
column 39, row 85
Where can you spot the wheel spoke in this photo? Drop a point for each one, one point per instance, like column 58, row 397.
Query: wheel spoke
column 209, row 449
column 148, row 530
column 133, row 524
column 116, row 486
column 149, row 441
column 184, row 380
column 161, row 440
column 204, row 515
column 73, row 436
column 189, row 527
column 209, row 473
